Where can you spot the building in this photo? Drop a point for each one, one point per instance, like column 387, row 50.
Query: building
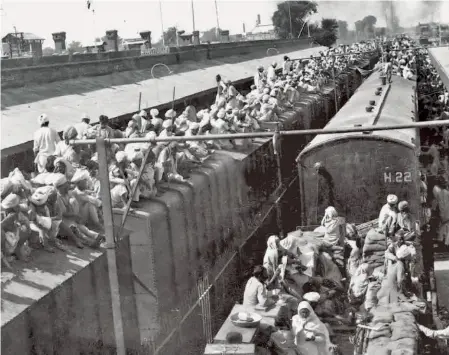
column 135, row 43
column 22, row 44
column 261, row 32
column 94, row 47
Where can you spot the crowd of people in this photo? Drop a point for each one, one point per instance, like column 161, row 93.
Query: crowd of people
column 317, row 289
column 61, row 198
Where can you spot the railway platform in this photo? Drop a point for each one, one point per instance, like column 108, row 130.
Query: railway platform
column 115, row 95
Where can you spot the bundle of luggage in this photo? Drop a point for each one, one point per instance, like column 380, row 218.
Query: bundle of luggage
column 374, row 249
column 394, row 330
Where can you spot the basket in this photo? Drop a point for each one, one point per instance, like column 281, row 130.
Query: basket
column 253, row 322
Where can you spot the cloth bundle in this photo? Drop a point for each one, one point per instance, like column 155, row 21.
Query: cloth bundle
column 374, row 248
column 404, row 334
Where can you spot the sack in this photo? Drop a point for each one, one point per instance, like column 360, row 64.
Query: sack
column 404, row 317
column 384, row 332
column 405, row 344
column 377, row 350
column 401, row 330
column 374, row 236
column 371, row 297
column 374, row 247
column 382, row 317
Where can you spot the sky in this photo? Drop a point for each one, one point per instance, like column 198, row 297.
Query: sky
column 44, row 17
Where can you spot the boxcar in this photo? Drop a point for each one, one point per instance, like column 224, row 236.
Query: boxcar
column 356, row 171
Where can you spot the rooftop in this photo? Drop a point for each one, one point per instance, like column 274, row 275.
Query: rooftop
column 27, row 36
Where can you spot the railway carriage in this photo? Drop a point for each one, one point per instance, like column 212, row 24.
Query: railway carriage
column 356, row 171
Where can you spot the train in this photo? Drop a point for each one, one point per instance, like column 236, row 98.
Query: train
column 356, row 171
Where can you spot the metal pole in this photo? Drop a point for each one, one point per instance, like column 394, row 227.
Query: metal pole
column 193, row 16
column 277, row 153
column 265, row 134
column 162, row 22
column 290, row 16
column 110, row 245
column 335, row 89
column 218, row 23
column 140, row 99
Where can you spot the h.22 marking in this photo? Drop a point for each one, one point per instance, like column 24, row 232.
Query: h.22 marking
column 392, row 177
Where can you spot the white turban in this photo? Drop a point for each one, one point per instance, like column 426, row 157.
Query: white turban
column 40, row 196
column 154, row 112
column 120, row 156
column 136, row 155
column 10, row 201
column 58, row 179
column 80, row 175
column 170, row 114
column 143, row 113
column 151, row 135
column 194, row 125
column 392, row 199
column 221, row 114
column 166, row 124
column 42, row 119
column 5, row 185
column 312, row 297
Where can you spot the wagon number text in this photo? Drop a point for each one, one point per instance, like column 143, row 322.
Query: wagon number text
column 398, row 177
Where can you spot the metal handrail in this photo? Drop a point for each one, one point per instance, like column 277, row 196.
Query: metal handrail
column 230, row 136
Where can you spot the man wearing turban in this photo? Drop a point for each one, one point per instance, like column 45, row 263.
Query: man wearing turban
column 45, row 140
column 388, row 216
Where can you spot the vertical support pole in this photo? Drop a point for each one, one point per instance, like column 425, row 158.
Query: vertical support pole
column 277, row 153
column 140, row 100
column 110, row 246
column 335, row 88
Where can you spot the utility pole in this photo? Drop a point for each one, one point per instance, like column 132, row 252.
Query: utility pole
column 193, row 16
column 218, row 22
column 162, row 22
column 290, row 16
column 18, row 42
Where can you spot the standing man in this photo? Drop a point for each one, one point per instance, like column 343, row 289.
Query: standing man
column 45, row 140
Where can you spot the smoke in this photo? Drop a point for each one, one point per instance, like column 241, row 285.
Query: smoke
column 389, row 11
column 428, row 10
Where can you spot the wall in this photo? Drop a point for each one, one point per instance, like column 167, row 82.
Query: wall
column 24, row 71
column 76, row 317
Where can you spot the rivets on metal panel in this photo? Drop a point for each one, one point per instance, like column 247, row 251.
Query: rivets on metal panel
column 372, row 103
column 369, row 108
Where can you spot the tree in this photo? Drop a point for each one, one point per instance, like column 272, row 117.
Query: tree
column 368, row 24
column 48, row 51
column 343, row 29
column 171, row 36
column 380, row 31
column 358, row 27
column 210, row 35
column 327, row 34
column 299, row 11
column 75, row 46
column 329, row 24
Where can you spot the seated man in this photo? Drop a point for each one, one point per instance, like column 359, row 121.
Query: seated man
column 255, row 293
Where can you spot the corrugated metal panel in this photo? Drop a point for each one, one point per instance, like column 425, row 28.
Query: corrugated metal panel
column 397, row 109
column 440, row 60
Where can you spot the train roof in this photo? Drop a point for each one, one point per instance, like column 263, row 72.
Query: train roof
column 440, row 59
column 394, row 106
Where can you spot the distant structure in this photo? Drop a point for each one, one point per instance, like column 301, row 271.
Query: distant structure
column 22, row 44
column 432, row 33
column 95, row 47
column 261, row 31
column 59, row 39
